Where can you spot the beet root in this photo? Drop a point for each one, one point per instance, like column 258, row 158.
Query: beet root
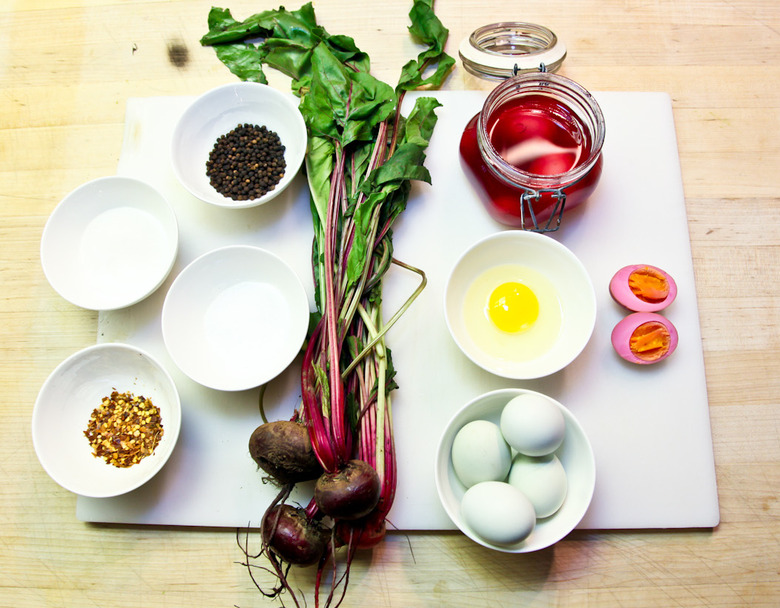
column 283, row 450
column 365, row 533
column 294, row 538
column 350, row 493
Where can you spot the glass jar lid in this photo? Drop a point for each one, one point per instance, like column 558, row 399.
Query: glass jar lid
column 503, row 50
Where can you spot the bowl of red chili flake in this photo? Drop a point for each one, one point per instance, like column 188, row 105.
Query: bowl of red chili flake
column 106, row 420
column 239, row 145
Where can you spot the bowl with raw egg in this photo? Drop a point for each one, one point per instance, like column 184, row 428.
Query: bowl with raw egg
column 515, row 471
column 520, row 304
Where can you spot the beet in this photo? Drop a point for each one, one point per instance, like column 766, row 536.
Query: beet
column 293, row 537
column 350, row 493
column 283, row 450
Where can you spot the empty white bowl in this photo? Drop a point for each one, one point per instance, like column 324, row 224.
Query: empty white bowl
column 569, row 290
column 575, row 454
column 235, row 318
column 218, row 112
column 110, row 243
column 66, row 401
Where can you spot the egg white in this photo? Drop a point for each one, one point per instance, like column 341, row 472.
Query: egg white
column 515, row 347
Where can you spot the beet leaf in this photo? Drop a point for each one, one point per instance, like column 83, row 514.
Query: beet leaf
column 363, row 155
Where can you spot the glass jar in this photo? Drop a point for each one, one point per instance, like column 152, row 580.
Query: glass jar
column 535, row 148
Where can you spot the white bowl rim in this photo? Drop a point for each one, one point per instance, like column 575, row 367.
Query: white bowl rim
column 442, row 467
column 215, row 198
column 172, row 429
column 98, row 303
column 589, row 298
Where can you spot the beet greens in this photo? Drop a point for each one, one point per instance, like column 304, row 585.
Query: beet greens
column 362, row 156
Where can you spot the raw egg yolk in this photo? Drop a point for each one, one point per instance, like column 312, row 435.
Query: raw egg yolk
column 513, row 307
column 650, row 341
column 648, row 285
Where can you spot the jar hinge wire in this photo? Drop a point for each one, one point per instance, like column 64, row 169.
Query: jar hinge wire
column 529, row 197
column 516, row 69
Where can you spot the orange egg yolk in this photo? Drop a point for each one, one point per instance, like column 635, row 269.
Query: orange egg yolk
column 513, row 307
column 648, row 285
column 650, row 341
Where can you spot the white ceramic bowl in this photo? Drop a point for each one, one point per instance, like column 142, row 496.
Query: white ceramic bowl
column 575, row 454
column 66, row 401
column 235, row 318
column 560, row 267
column 221, row 110
column 110, row 243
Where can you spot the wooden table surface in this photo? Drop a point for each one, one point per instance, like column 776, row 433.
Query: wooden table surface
column 66, row 69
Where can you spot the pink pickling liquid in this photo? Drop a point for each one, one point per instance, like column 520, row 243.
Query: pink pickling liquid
column 539, row 136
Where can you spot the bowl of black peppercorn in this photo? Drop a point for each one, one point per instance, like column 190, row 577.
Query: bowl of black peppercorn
column 239, row 145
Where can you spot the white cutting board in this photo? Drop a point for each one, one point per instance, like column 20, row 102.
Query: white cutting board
column 649, row 425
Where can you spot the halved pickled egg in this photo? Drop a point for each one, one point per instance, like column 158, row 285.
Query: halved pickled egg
column 644, row 338
column 643, row 288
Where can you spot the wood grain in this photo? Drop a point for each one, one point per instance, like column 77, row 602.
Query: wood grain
column 66, row 69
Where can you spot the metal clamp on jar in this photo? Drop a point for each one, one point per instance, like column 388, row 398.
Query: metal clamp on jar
column 535, row 147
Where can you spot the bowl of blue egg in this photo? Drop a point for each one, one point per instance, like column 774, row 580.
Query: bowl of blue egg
column 515, row 471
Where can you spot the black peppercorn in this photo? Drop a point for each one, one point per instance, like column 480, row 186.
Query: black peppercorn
column 246, row 163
